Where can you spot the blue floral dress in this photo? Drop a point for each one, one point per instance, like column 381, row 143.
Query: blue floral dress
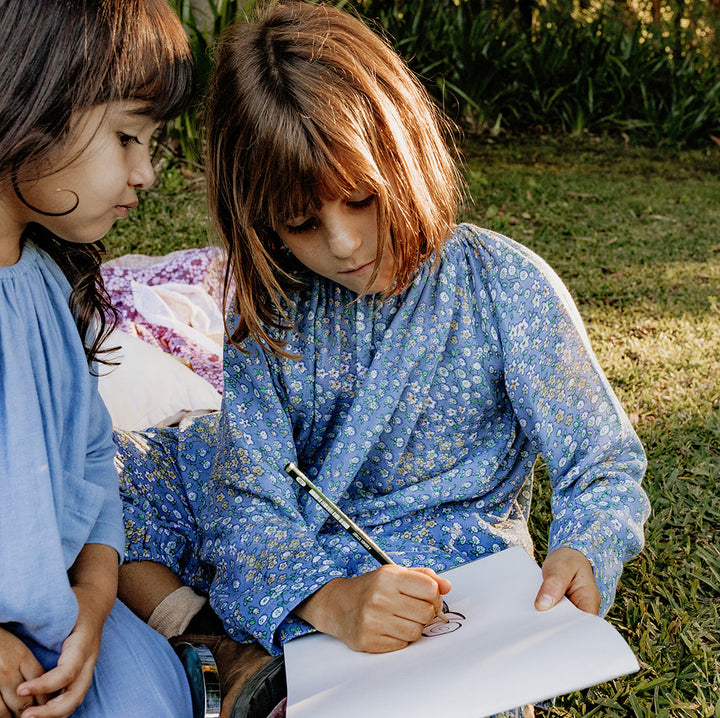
column 422, row 416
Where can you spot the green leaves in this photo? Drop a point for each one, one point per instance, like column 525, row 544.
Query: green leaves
column 599, row 71
column 204, row 22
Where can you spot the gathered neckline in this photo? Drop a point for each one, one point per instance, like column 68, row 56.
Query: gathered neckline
column 27, row 259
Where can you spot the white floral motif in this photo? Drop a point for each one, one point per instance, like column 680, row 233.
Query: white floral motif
column 429, row 442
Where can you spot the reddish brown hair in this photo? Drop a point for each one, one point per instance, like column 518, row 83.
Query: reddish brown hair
column 307, row 104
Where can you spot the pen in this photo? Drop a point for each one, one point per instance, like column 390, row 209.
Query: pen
column 343, row 519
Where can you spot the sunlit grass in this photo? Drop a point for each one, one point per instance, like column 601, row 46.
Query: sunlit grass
column 634, row 234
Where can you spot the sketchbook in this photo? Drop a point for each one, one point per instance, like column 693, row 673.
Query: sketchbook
column 496, row 653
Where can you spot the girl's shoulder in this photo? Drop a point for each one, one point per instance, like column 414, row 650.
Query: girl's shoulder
column 487, row 244
column 31, row 257
column 34, row 275
column 493, row 254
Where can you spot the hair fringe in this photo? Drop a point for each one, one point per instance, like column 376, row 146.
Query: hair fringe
column 307, row 102
column 68, row 57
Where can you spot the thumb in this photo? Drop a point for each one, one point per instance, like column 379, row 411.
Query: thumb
column 551, row 591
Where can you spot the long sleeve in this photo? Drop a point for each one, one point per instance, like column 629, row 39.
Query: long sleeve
column 100, row 470
column 266, row 556
column 566, row 406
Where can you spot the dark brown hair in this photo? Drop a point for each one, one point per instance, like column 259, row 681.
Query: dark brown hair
column 306, row 104
column 61, row 57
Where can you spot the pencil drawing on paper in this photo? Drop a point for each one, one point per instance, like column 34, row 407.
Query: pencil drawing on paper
column 439, row 627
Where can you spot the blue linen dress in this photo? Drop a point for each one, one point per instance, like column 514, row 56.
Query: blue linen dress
column 59, row 491
column 422, row 416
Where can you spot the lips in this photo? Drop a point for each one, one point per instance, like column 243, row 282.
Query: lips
column 359, row 268
column 124, row 209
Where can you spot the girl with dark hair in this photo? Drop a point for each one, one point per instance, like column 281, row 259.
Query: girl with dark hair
column 414, row 368
column 85, row 84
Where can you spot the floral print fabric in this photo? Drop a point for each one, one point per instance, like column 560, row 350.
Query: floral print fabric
column 421, row 416
column 197, row 267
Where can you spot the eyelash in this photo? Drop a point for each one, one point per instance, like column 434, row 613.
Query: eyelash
column 361, row 204
column 312, row 223
column 125, row 140
column 307, row 225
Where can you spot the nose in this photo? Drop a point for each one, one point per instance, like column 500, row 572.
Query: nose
column 343, row 236
column 142, row 174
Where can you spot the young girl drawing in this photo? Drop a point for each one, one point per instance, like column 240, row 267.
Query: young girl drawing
column 413, row 368
column 84, row 86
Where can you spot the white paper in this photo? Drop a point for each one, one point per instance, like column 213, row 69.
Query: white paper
column 503, row 654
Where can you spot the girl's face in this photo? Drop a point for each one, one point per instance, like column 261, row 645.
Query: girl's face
column 340, row 242
column 96, row 174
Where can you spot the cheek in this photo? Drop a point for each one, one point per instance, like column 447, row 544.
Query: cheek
column 302, row 249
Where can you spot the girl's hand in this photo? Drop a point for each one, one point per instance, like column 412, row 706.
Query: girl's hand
column 566, row 572
column 380, row 611
column 70, row 679
column 93, row 577
column 17, row 664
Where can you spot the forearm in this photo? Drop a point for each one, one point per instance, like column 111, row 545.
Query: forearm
column 320, row 609
column 94, row 579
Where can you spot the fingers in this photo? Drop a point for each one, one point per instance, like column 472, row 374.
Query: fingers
column 402, row 603
column 67, row 682
column 61, row 706
column 444, row 586
column 379, row 611
column 13, row 705
column 386, row 609
column 17, row 664
column 65, row 703
column 567, row 572
column 51, row 682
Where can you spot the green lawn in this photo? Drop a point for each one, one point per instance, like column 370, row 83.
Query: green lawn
column 636, row 236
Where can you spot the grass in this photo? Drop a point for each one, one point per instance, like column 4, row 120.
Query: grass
column 634, row 234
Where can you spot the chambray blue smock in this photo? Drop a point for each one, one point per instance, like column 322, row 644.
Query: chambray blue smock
column 59, row 491
column 421, row 416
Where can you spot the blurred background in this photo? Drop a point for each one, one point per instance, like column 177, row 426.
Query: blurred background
column 645, row 70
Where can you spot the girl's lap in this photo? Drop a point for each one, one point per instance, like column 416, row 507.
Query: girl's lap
column 137, row 673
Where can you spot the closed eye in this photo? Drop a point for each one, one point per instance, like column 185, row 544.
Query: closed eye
column 362, row 203
column 125, row 140
column 308, row 225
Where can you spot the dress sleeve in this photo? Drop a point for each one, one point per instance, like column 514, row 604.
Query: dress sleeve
column 100, row 470
column 565, row 404
column 266, row 555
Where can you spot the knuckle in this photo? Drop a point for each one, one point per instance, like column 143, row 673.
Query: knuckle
column 25, row 704
column 429, row 613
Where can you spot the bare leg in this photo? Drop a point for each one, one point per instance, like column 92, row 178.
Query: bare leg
column 143, row 585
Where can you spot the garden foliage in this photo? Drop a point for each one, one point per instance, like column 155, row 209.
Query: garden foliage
column 645, row 70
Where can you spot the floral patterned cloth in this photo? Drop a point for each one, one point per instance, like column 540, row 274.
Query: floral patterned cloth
column 197, row 267
column 421, row 416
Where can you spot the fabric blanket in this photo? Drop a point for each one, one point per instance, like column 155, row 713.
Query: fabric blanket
column 173, row 302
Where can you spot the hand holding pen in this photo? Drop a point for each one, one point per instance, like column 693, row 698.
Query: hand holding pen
column 379, row 611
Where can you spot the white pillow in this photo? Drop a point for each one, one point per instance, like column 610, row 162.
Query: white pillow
column 151, row 387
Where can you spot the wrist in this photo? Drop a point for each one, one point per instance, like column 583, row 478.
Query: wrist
column 94, row 603
column 320, row 608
